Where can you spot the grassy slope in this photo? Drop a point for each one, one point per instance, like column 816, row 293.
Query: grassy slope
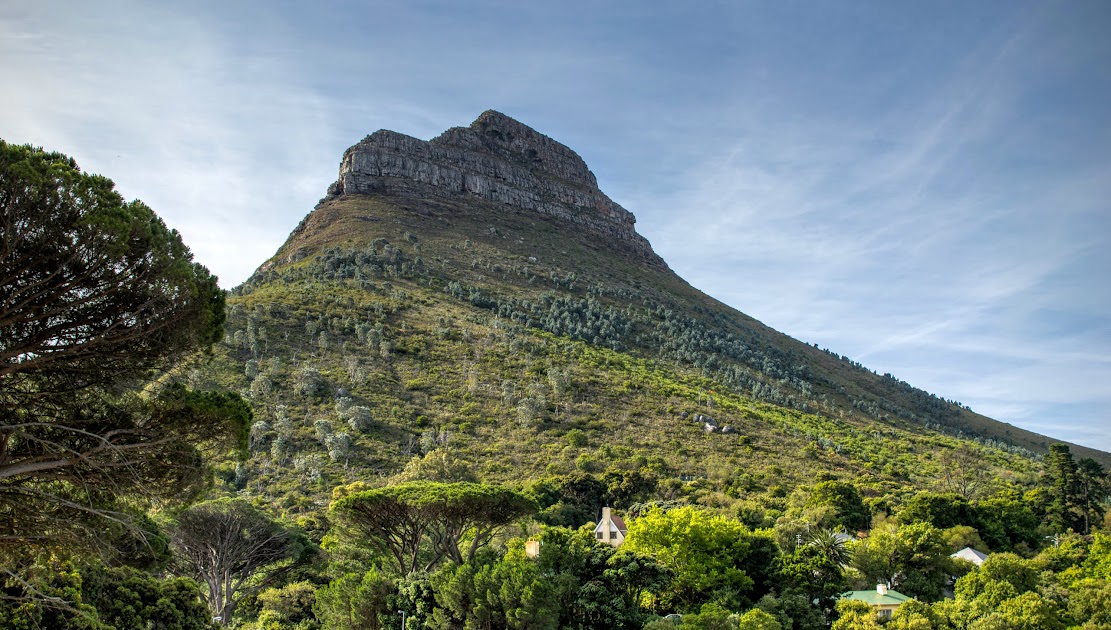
column 436, row 371
column 559, row 249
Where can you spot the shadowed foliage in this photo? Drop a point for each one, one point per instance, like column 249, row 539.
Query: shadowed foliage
column 396, row 520
column 97, row 298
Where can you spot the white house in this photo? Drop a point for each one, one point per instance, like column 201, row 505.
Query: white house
column 610, row 529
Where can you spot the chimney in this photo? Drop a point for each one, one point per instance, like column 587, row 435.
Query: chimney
column 532, row 548
column 605, row 514
column 881, row 589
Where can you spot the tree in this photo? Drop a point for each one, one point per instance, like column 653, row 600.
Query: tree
column 940, row 510
column 1006, row 522
column 624, row 488
column 575, row 582
column 843, row 497
column 232, row 548
column 811, row 570
column 128, row 598
column 439, row 464
column 793, row 609
column 290, row 606
column 56, row 602
column 1090, row 603
column 1092, row 491
column 397, row 520
column 855, row 615
column 569, row 501
column 915, row 615
column 1064, row 511
column 1029, row 611
column 712, row 557
column 353, row 600
column 97, row 296
column 913, row 559
column 757, row 619
column 830, row 545
column 998, row 568
column 964, row 473
column 93, row 291
column 1098, row 562
column 711, row 616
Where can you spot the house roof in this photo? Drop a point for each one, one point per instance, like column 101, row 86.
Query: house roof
column 968, row 553
column 872, row 598
column 617, row 522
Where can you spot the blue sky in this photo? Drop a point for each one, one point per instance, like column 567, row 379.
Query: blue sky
column 923, row 187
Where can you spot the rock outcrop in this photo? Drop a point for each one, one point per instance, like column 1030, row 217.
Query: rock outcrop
column 496, row 159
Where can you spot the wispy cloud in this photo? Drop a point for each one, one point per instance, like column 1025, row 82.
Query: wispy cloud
column 899, row 238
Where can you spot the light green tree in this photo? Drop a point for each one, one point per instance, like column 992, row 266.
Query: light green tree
column 913, row 559
column 757, row 619
column 855, row 615
column 713, row 558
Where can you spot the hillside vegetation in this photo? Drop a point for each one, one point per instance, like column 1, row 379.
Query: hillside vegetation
column 384, row 336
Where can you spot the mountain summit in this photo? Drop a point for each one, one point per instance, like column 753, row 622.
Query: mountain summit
column 496, row 159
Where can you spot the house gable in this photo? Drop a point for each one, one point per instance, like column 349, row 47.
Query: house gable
column 610, row 529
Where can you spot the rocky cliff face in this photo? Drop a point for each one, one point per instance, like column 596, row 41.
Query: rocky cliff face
column 496, row 159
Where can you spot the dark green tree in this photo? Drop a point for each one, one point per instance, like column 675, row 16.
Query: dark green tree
column 418, row 524
column 1007, row 522
column 570, row 501
column 94, row 291
column 354, row 601
column 1076, row 491
column 624, row 487
column 793, row 610
column 97, row 298
column 843, row 497
column 810, row 570
column 128, row 598
column 1092, row 490
column 1063, row 512
column 940, row 510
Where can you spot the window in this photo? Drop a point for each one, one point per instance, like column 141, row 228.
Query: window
column 613, row 535
column 598, row 535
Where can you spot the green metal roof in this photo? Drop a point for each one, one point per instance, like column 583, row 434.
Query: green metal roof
column 872, row 598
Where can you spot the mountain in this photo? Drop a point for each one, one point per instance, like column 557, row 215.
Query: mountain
column 474, row 305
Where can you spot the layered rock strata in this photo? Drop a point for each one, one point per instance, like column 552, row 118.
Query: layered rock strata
column 496, row 159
